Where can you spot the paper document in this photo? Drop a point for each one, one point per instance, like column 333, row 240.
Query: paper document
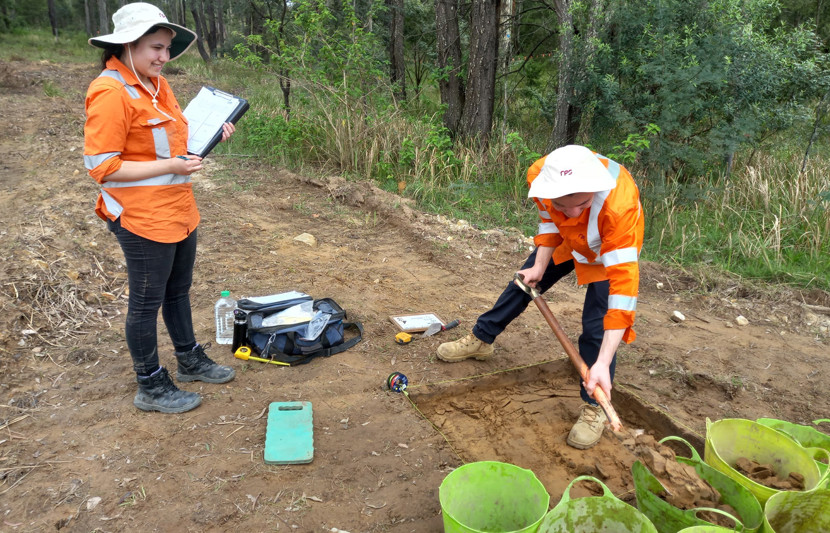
column 281, row 297
column 205, row 115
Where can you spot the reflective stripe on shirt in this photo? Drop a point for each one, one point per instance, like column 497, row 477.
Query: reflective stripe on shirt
column 547, row 227
column 164, row 179
column 617, row 257
column 114, row 74
column 112, row 205
column 162, row 143
column 623, row 303
column 92, row 161
column 582, row 259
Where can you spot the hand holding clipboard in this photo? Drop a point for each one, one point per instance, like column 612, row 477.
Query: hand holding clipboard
column 206, row 114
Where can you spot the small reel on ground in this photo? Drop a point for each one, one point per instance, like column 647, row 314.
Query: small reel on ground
column 397, row 382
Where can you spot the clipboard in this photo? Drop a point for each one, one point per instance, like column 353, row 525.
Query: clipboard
column 205, row 115
column 415, row 323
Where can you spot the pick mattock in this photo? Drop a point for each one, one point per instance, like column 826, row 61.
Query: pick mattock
column 573, row 354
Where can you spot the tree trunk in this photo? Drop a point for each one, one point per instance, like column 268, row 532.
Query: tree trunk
column 820, row 110
column 87, row 19
column 53, row 18
column 505, row 52
column 200, row 31
column 103, row 19
column 574, row 65
column 221, row 36
column 210, row 6
column 183, row 13
column 479, row 98
column 418, row 69
column 285, row 79
column 562, row 116
column 397, row 65
column 448, row 41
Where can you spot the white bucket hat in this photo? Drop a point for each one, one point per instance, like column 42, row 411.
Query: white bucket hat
column 568, row 170
column 134, row 20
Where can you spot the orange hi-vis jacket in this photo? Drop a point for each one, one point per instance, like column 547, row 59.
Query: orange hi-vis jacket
column 604, row 242
column 122, row 125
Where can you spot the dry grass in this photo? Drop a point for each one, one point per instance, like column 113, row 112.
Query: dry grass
column 54, row 303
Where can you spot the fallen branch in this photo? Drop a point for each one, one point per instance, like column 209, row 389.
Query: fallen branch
column 818, row 308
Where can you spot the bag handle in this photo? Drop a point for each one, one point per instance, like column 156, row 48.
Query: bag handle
column 345, row 345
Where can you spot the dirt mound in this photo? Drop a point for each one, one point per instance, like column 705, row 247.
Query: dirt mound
column 766, row 475
column 683, row 487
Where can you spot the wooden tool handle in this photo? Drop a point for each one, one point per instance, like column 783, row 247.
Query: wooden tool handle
column 578, row 362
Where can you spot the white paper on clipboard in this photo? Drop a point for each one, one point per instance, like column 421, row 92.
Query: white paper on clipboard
column 205, row 115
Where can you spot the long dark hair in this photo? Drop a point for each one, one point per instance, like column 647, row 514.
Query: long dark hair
column 112, row 50
column 115, row 50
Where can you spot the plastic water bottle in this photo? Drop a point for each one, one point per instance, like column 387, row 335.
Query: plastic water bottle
column 223, row 311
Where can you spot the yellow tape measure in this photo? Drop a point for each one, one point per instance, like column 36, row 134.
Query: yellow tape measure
column 403, row 338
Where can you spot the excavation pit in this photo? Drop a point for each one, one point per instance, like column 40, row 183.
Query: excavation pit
column 523, row 417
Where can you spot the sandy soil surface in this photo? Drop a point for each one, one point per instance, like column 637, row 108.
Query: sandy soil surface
column 75, row 455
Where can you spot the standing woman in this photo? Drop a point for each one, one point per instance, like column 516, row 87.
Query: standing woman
column 135, row 146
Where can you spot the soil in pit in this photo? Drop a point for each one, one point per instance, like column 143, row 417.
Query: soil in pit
column 77, row 456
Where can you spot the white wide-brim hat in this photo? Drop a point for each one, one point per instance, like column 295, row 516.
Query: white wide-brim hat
column 568, row 170
column 134, row 20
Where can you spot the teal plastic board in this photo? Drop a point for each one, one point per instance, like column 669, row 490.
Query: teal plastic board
column 289, row 436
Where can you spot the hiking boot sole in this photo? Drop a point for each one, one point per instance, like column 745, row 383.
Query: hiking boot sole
column 580, row 446
column 477, row 357
column 153, row 407
column 185, row 378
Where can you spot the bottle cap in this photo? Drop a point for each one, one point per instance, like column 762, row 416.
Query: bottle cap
column 225, row 294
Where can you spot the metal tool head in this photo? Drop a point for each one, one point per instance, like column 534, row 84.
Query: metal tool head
column 519, row 280
column 433, row 328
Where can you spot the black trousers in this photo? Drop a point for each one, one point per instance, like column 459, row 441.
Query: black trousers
column 159, row 276
column 513, row 301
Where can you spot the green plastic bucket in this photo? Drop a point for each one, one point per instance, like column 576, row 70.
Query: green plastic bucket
column 669, row 519
column 594, row 514
column 729, row 439
column 492, row 497
column 798, row 512
column 813, row 440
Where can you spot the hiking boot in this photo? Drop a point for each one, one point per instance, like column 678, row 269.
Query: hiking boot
column 588, row 429
column 196, row 365
column 465, row 348
column 158, row 393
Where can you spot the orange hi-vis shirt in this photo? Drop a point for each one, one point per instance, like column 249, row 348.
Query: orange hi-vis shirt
column 122, row 125
column 604, row 242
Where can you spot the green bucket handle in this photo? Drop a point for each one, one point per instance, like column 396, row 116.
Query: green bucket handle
column 739, row 526
column 566, row 496
column 820, row 420
column 695, row 456
column 823, row 466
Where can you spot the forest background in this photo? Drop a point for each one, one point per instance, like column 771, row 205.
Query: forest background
column 719, row 108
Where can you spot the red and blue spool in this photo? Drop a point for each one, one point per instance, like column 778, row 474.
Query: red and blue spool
column 397, row 382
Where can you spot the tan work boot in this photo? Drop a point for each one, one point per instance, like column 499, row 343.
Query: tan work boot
column 465, row 348
column 588, row 429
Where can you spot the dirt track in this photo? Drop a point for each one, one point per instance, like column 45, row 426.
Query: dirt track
column 70, row 434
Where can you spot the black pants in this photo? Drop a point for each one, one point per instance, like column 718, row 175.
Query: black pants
column 159, row 275
column 513, row 301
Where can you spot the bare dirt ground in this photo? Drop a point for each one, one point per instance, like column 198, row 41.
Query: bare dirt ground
column 75, row 455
